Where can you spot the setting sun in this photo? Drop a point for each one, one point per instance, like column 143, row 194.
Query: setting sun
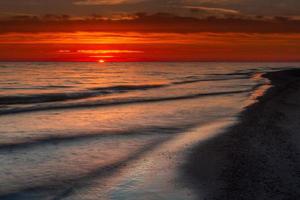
column 101, row 61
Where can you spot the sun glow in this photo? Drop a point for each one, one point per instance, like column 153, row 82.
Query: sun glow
column 101, row 61
column 85, row 47
column 107, row 51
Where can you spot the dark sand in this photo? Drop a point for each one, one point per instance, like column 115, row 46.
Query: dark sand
column 259, row 158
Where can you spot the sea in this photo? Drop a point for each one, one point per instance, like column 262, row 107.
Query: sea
column 115, row 130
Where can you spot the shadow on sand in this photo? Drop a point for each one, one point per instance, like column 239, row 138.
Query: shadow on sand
column 258, row 158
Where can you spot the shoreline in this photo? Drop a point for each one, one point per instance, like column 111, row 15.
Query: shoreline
column 259, row 157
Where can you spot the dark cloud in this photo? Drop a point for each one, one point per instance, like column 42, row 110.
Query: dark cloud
column 143, row 22
column 255, row 7
column 108, row 7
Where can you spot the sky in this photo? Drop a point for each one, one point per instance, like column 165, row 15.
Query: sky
column 149, row 30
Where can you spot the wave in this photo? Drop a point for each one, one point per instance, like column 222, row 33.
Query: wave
column 36, row 87
column 117, row 102
column 52, row 97
column 42, row 98
column 80, row 136
column 210, row 79
column 129, row 87
column 93, row 92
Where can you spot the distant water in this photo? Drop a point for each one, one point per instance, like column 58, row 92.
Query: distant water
column 114, row 130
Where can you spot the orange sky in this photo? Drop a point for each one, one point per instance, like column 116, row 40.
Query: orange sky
column 149, row 30
column 150, row 38
column 86, row 46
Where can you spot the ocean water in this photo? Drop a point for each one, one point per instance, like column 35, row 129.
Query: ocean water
column 114, row 130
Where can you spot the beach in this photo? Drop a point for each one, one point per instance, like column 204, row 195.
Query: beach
column 258, row 158
column 180, row 131
column 149, row 100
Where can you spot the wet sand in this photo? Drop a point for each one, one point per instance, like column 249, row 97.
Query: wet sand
column 259, row 158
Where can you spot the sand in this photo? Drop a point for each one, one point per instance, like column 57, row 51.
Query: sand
column 259, row 158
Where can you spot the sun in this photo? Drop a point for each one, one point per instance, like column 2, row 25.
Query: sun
column 101, row 61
